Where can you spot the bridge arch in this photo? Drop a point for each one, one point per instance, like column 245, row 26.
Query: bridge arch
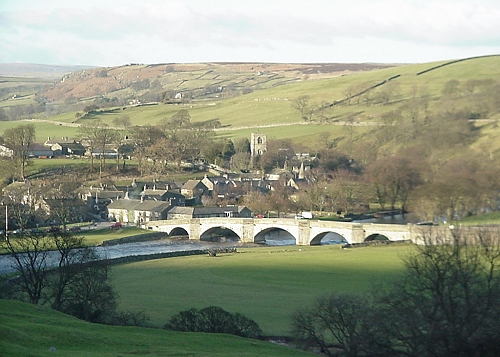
column 275, row 236
column 376, row 236
column 328, row 237
column 219, row 234
column 178, row 231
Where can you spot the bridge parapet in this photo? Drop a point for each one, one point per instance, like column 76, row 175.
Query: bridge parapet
column 304, row 231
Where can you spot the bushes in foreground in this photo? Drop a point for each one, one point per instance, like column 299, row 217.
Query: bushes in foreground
column 214, row 319
column 447, row 303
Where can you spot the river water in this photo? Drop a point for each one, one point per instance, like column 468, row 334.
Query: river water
column 133, row 249
column 150, row 247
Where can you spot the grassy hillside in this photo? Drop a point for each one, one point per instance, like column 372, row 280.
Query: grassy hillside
column 15, row 91
column 29, row 330
column 265, row 284
column 272, row 105
column 194, row 80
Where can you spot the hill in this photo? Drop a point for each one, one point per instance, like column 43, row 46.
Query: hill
column 366, row 99
column 32, row 330
column 249, row 97
column 197, row 80
column 32, row 70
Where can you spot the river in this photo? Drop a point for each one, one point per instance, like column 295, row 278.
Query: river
column 149, row 247
column 175, row 245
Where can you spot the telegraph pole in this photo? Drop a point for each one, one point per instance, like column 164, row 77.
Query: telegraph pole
column 6, row 222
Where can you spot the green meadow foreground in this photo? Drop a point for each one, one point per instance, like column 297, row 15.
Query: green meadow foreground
column 31, row 330
column 266, row 284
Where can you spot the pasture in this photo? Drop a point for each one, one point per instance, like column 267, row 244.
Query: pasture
column 266, row 284
column 37, row 331
column 97, row 236
column 243, row 114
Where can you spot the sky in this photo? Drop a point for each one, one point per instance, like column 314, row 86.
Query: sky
column 113, row 33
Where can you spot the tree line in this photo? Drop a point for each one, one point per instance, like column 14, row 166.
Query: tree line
column 58, row 270
column 413, row 161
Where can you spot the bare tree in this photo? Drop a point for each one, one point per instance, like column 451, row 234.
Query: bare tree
column 19, row 139
column 65, row 203
column 144, row 137
column 29, row 254
column 335, row 321
column 303, row 106
column 97, row 136
column 72, row 256
column 104, row 137
column 393, row 179
column 444, row 304
column 123, row 121
column 88, row 134
column 90, row 296
column 56, row 268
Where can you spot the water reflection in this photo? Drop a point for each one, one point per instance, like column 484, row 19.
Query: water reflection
column 391, row 219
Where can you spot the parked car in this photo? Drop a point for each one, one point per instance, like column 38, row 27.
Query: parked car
column 36, row 231
column 74, row 229
column 54, row 229
column 116, row 225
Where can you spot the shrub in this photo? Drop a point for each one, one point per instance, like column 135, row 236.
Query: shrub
column 214, row 319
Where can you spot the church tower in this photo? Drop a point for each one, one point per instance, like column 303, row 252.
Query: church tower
column 258, row 144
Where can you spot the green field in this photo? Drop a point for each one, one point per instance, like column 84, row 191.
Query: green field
column 266, row 284
column 97, row 236
column 35, row 331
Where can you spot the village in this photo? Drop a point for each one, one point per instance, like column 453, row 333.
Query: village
column 220, row 193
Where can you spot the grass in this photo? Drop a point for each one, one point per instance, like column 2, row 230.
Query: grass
column 43, row 129
column 35, row 331
column 266, row 284
column 97, row 236
column 483, row 219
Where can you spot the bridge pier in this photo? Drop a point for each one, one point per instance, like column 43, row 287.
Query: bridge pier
column 357, row 233
column 304, row 237
column 247, row 235
column 194, row 229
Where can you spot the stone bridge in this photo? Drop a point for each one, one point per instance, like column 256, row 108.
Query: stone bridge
column 303, row 231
